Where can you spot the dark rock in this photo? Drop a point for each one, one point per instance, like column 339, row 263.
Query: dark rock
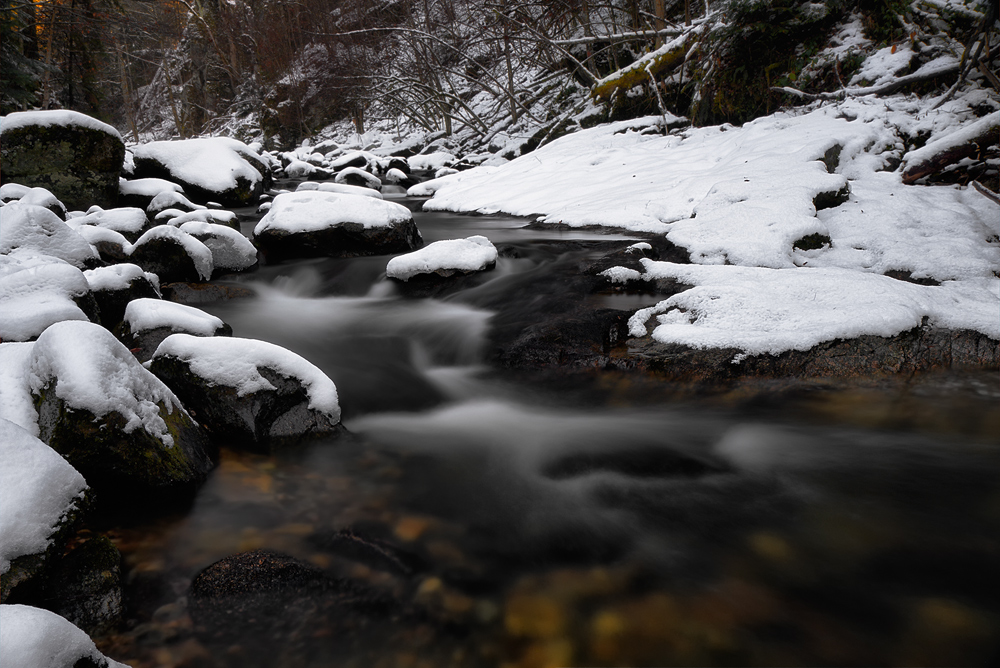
column 263, row 420
column 812, row 242
column 77, row 158
column 374, row 553
column 172, row 255
column 343, row 240
column 112, row 301
column 833, row 198
column 274, row 605
column 145, row 342
column 354, row 176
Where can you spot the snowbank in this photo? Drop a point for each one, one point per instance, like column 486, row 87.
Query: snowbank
column 37, row 489
column 35, row 638
column 234, row 362
column 760, row 310
column 475, row 253
column 315, row 210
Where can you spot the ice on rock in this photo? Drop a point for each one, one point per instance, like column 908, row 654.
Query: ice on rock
column 446, row 257
column 35, row 638
column 38, row 489
column 37, row 291
column 28, row 226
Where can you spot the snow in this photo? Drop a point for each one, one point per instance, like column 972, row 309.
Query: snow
column 117, row 276
column 315, row 210
column 342, row 188
column 146, row 314
column 342, row 161
column 471, row 254
column 37, row 196
column 230, row 249
column 212, row 163
column 172, row 199
column 36, row 291
column 760, row 310
column 54, row 117
column 299, row 169
column 215, row 216
column 961, row 136
column 92, row 370
column 431, row 161
column 35, row 638
column 13, row 191
column 33, row 227
column 95, row 235
column 395, row 175
column 125, row 220
column 198, row 252
column 234, row 362
column 884, row 65
column 148, row 187
column 16, row 404
column 37, row 489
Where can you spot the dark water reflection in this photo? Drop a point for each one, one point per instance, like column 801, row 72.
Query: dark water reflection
column 555, row 529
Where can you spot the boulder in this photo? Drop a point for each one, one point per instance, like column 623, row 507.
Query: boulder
column 116, row 286
column 322, row 224
column 130, row 222
column 15, row 192
column 41, row 498
column 443, row 259
column 28, row 226
column 250, row 394
column 38, row 290
column 31, row 636
column 170, row 199
column 112, row 247
column 147, row 322
column 76, row 157
column 353, row 176
column 172, row 255
column 113, row 420
column 140, row 192
column 231, row 251
column 215, row 169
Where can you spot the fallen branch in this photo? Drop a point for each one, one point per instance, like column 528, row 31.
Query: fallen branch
column 986, row 192
column 618, row 37
column 666, row 58
column 919, row 76
column 964, row 143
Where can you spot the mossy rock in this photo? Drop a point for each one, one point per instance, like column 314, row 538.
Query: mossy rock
column 120, row 464
column 75, row 160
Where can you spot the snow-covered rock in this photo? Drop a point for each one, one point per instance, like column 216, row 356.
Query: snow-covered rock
column 301, row 169
column 445, row 258
column 170, row 199
column 34, row 227
column 317, row 224
column 35, row 638
column 209, row 169
column 140, row 192
column 249, row 393
column 353, row 176
column 113, row 420
column 431, row 162
column 40, row 496
column 37, row 291
column 341, row 188
column 113, row 287
column 15, row 396
column 75, row 156
column 173, row 255
column 231, row 251
column 130, row 222
column 357, row 159
column 212, row 216
column 147, row 322
column 111, row 246
column 10, row 192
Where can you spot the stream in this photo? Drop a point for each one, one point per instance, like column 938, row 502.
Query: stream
column 534, row 521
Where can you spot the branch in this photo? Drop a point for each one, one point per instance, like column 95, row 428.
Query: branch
column 886, row 89
column 986, row 192
column 619, row 37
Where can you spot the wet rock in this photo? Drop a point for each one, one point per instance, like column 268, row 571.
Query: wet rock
column 76, row 157
column 115, row 286
column 114, row 421
column 250, row 394
column 275, row 605
column 172, row 255
column 377, row 554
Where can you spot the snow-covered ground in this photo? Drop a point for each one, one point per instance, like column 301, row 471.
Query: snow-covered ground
column 741, row 198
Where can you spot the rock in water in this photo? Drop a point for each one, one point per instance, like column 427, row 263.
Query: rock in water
column 76, row 157
column 251, row 394
column 215, row 169
column 35, row 637
column 231, row 251
column 113, row 420
column 172, row 255
column 326, row 224
column 115, row 286
column 147, row 322
column 40, row 498
column 445, row 258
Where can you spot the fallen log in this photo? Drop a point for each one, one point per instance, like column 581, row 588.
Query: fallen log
column 666, row 58
column 966, row 142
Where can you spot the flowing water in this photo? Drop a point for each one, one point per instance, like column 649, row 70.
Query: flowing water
column 577, row 523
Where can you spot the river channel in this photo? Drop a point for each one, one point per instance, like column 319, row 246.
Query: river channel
column 525, row 520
